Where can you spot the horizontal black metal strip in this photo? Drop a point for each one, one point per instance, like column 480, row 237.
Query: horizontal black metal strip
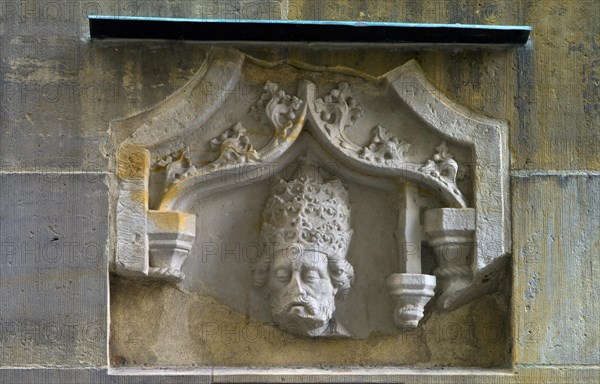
column 103, row 27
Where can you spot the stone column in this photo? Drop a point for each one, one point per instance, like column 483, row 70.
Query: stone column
column 410, row 290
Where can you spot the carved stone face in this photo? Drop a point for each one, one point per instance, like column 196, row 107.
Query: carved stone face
column 302, row 293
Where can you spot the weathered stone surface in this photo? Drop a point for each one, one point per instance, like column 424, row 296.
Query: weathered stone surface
column 53, row 268
column 536, row 375
column 556, row 269
column 450, row 221
column 183, row 333
column 544, row 89
column 59, row 92
column 177, row 153
column 49, row 75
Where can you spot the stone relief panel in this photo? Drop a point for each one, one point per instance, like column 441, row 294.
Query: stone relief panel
column 324, row 203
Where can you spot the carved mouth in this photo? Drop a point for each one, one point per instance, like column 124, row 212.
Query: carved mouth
column 299, row 314
column 300, row 308
column 295, row 306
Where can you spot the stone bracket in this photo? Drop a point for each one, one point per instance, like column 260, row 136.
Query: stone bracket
column 170, row 239
column 451, row 235
column 410, row 292
column 149, row 243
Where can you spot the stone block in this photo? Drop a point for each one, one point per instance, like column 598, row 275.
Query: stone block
column 448, row 220
column 53, row 270
column 556, row 268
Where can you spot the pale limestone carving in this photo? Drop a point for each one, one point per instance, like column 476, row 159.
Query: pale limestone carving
column 338, row 111
column 276, row 108
column 410, row 290
column 450, row 234
column 150, row 245
column 410, row 293
column 384, row 148
column 234, row 147
column 170, row 239
column 442, row 166
column 305, row 235
column 177, row 165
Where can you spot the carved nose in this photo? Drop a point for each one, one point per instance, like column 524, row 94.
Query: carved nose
column 296, row 285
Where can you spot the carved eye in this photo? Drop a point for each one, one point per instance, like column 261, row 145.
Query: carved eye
column 282, row 275
column 337, row 272
column 311, row 276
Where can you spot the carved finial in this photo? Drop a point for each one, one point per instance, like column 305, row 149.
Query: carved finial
column 442, row 153
column 339, row 110
column 234, row 146
column 277, row 109
column 383, row 147
column 442, row 165
column 177, row 165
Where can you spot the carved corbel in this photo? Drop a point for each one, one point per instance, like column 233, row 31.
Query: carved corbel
column 450, row 232
column 149, row 243
column 410, row 293
column 170, row 239
column 410, row 290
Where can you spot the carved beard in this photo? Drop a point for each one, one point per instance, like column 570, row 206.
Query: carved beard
column 302, row 315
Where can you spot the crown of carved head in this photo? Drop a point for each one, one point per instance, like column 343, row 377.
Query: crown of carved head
column 309, row 213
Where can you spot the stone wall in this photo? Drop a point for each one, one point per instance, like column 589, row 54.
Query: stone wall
column 59, row 92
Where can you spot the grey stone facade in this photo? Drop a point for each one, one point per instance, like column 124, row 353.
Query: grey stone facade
column 59, row 92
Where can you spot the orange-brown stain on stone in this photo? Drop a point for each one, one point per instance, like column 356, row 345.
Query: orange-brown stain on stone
column 134, row 162
column 141, row 196
column 170, row 221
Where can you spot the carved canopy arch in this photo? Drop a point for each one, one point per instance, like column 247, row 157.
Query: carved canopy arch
column 160, row 170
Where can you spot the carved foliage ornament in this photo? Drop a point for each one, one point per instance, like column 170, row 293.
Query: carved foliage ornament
column 306, row 219
column 234, row 147
column 384, row 148
column 340, row 110
column 274, row 109
column 277, row 109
